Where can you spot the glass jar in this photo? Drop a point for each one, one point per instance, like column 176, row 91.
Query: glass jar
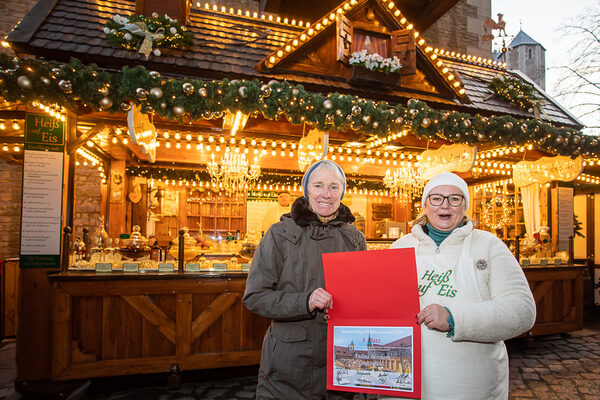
column 190, row 249
column 136, row 246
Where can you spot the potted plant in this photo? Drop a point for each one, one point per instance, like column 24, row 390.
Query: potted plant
column 372, row 69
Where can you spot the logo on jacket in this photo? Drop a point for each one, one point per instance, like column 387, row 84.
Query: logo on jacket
column 481, row 264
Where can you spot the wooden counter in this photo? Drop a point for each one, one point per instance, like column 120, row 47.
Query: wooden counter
column 558, row 293
column 120, row 324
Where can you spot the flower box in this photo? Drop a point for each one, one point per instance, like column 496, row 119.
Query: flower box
column 364, row 76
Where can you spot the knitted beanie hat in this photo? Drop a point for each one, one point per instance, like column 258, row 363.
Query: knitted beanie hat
column 446, row 178
column 313, row 167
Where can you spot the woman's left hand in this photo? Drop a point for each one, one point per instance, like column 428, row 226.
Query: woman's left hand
column 435, row 317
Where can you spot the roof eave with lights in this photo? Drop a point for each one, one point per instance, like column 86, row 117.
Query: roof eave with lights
column 312, row 31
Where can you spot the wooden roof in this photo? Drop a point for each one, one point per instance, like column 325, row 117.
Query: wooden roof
column 229, row 45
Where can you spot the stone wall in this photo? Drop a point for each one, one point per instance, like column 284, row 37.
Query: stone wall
column 531, row 60
column 460, row 29
column 87, row 199
column 10, row 209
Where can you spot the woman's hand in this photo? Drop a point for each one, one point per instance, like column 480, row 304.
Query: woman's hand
column 320, row 299
column 435, row 317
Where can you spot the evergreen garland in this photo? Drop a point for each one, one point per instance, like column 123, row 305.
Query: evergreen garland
column 174, row 35
column 75, row 84
column 514, row 91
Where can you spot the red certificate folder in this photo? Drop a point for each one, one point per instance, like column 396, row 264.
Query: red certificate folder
column 373, row 339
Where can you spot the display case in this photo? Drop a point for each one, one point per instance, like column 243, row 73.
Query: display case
column 214, row 214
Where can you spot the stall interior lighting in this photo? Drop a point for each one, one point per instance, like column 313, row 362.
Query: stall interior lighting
column 249, row 14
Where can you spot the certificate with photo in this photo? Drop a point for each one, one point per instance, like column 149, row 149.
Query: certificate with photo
column 373, row 357
column 373, row 339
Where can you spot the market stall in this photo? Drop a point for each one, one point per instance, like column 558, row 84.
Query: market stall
column 224, row 109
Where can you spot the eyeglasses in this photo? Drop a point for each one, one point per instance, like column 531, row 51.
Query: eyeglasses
column 437, row 200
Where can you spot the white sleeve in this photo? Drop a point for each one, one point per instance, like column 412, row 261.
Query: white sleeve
column 511, row 308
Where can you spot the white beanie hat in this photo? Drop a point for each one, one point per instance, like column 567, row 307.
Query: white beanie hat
column 446, row 178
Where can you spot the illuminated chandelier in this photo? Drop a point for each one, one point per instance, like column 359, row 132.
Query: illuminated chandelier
column 404, row 182
column 233, row 174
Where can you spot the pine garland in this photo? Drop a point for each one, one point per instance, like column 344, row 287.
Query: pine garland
column 75, row 84
column 514, row 91
column 173, row 34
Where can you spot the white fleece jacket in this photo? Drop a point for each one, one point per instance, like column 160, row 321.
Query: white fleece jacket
column 508, row 308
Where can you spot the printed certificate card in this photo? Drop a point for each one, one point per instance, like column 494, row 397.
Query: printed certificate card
column 373, row 339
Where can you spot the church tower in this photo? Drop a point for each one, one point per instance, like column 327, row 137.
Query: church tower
column 528, row 56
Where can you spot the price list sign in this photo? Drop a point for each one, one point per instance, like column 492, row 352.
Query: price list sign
column 41, row 204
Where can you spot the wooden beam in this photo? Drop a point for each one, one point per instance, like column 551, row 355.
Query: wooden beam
column 212, row 313
column 134, row 366
column 84, row 137
column 152, row 314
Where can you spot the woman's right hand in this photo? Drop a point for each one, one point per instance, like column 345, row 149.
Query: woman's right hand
column 320, row 299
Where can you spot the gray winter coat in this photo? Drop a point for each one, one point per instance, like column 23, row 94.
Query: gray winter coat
column 286, row 268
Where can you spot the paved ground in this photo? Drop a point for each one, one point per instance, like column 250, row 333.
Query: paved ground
column 560, row 367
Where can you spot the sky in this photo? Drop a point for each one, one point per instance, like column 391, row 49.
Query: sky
column 541, row 20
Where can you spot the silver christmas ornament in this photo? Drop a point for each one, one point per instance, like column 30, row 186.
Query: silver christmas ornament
column 414, row 112
column 328, row 104
column 399, row 120
column 178, row 110
column 576, row 139
column 24, row 82
column 206, row 114
column 356, row 110
column 156, row 92
column 375, row 124
column 481, row 137
column 366, row 119
column 339, row 113
column 349, row 118
column 65, row 86
column 243, row 91
column 329, row 119
column 149, row 109
column 467, row 123
column 103, row 91
column 105, row 102
column 524, row 127
column 125, row 106
column 154, row 74
column 295, row 92
column 202, row 92
column 163, row 105
column 266, row 90
column 559, row 139
column 141, row 94
column 187, row 88
column 509, row 125
column 45, row 80
column 55, row 73
column 425, row 122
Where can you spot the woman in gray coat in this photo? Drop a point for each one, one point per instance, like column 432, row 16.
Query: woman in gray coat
column 286, row 284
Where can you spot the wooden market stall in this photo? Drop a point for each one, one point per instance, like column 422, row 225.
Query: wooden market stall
column 158, row 132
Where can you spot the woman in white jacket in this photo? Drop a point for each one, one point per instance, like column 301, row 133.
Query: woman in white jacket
column 473, row 296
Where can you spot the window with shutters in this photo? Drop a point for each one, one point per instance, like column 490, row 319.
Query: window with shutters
column 372, row 42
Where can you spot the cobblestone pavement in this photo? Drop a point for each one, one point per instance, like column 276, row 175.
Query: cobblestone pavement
column 560, row 367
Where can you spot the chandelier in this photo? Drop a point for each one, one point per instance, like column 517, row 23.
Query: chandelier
column 233, row 174
column 404, row 182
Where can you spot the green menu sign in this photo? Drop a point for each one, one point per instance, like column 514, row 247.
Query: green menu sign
column 43, row 132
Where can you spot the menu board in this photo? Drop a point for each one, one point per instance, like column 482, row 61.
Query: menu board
column 41, row 204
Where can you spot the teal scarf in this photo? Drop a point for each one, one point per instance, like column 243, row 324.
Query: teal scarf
column 437, row 235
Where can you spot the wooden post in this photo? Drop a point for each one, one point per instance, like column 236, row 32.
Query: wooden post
column 180, row 260
column 67, row 248
column 517, row 248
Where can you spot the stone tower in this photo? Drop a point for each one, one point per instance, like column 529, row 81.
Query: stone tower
column 529, row 57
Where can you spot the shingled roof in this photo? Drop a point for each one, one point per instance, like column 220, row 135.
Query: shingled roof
column 229, row 46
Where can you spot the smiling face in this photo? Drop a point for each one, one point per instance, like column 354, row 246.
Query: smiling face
column 445, row 217
column 284, row 199
column 325, row 190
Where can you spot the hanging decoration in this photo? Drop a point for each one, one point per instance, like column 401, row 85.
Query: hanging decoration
column 546, row 169
column 75, row 84
column 515, row 91
column 451, row 158
column 404, row 182
column 496, row 204
column 147, row 34
column 142, row 132
column 312, row 147
column 233, row 174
